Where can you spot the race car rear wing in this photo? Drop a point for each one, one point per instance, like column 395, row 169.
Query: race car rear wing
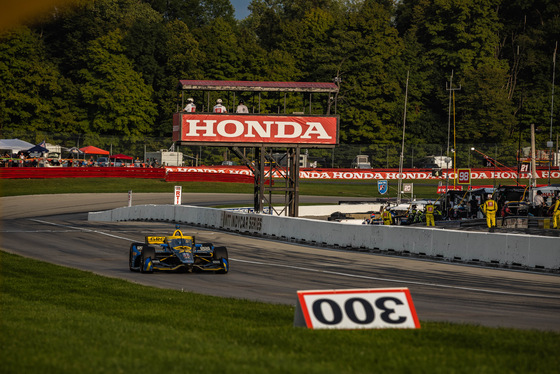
column 155, row 239
column 161, row 239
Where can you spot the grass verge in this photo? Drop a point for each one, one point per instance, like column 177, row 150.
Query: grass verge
column 61, row 320
column 15, row 187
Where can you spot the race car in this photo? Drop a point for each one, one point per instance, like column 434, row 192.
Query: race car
column 177, row 252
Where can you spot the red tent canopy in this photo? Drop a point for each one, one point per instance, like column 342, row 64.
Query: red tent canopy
column 120, row 156
column 91, row 150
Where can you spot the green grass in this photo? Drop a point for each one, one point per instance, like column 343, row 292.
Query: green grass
column 61, row 320
column 15, row 187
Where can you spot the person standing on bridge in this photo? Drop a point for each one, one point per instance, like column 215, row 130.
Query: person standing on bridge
column 242, row 108
column 219, row 108
column 490, row 208
column 190, row 107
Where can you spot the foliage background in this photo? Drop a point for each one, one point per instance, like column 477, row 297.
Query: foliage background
column 109, row 68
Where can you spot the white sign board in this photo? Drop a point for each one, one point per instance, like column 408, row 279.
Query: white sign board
column 356, row 309
column 177, row 197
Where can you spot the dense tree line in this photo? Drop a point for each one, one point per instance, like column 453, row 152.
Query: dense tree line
column 110, row 67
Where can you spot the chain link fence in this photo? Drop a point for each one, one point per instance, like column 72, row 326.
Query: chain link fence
column 342, row 156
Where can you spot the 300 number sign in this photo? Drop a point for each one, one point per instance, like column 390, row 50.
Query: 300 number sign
column 356, row 309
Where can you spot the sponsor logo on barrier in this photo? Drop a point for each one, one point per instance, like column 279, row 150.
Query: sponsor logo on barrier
column 265, row 210
column 356, row 309
column 241, row 222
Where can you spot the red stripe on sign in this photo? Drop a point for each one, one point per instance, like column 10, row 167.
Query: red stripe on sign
column 412, row 308
column 304, row 309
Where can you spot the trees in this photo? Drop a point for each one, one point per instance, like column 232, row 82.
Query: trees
column 460, row 36
column 33, row 94
column 221, row 49
column 531, row 31
column 355, row 41
column 372, row 70
column 117, row 100
column 111, row 66
column 485, row 113
column 181, row 57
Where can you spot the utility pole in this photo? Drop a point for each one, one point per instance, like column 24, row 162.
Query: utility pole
column 402, row 147
column 533, row 163
column 449, row 88
column 550, row 143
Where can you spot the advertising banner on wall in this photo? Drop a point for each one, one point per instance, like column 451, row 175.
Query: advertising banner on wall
column 255, row 129
column 371, row 174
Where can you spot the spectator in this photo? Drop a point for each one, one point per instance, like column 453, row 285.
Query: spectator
column 242, row 108
column 219, row 108
column 190, row 107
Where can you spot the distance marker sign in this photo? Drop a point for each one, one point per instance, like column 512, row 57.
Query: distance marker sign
column 464, row 176
column 356, row 309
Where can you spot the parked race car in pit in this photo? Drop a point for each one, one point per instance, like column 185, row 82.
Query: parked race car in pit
column 177, row 252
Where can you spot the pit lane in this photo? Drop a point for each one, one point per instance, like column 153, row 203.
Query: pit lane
column 55, row 229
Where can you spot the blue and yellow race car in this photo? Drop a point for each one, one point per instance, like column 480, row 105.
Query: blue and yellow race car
column 177, row 252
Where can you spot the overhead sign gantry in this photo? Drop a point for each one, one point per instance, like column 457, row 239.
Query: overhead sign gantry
column 289, row 129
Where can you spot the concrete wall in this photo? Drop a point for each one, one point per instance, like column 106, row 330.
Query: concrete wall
column 452, row 245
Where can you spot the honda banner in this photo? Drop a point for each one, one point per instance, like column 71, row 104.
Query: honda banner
column 373, row 174
column 255, row 129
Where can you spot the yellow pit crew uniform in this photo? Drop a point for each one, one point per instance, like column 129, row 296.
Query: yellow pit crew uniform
column 430, row 210
column 490, row 208
column 387, row 217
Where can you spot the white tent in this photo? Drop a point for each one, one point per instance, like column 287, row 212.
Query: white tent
column 14, row 145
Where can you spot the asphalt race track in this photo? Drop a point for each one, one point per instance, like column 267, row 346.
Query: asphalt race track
column 54, row 228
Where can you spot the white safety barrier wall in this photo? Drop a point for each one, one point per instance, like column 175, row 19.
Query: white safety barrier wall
column 453, row 245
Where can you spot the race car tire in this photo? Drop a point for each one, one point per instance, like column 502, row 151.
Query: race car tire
column 134, row 263
column 221, row 254
column 148, row 253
